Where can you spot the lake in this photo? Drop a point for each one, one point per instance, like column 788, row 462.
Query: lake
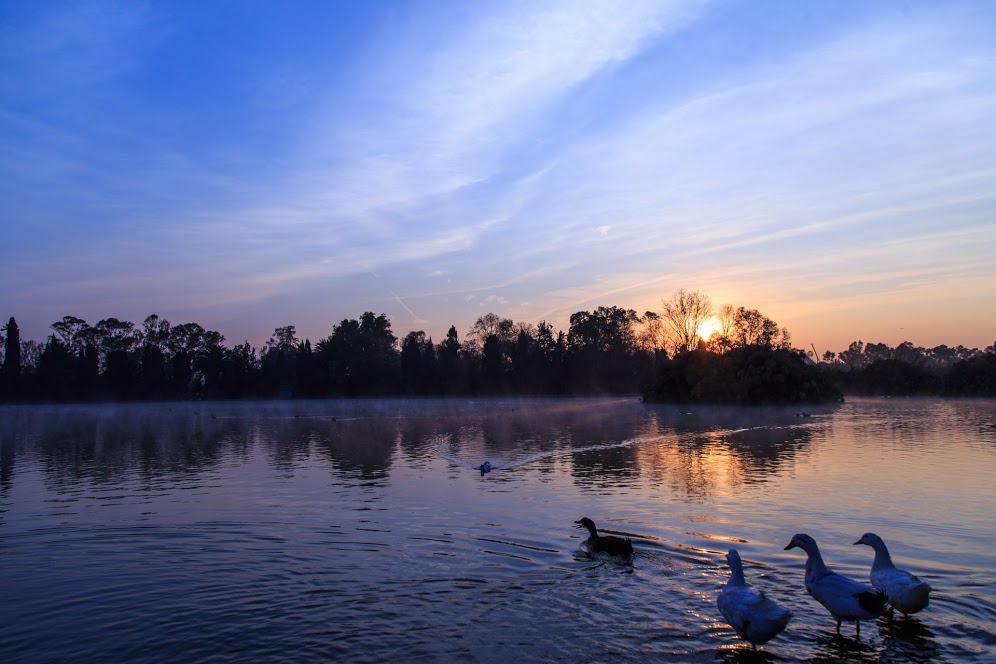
column 361, row 530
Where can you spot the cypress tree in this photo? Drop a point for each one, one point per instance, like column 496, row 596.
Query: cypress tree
column 11, row 368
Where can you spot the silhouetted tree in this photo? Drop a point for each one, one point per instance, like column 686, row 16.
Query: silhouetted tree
column 377, row 366
column 278, row 364
column 752, row 328
column 120, row 374
column 603, row 355
column 115, row 335
column 748, row 360
column 30, row 355
column 877, row 351
column 185, row 342
column 152, row 371
column 491, row 324
column 361, row 357
column 241, row 369
column 525, row 361
column 975, row 376
column 721, row 340
column 73, row 332
column 747, row 375
column 417, row 363
column 10, row 371
column 156, row 332
column 55, row 370
column 430, row 367
column 651, row 337
column 311, row 379
column 87, row 371
column 898, row 378
column 283, row 339
column 209, row 369
column 682, row 316
column 450, row 374
column 910, row 354
column 853, row 357
column 494, row 364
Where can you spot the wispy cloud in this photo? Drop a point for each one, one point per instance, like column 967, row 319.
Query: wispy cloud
column 532, row 157
column 446, row 112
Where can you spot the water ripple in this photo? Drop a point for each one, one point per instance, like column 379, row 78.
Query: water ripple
column 271, row 532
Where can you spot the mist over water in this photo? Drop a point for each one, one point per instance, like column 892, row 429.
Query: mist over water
column 362, row 529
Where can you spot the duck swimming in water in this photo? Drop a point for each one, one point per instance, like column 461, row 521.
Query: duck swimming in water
column 485, row 467
column 906, row 592
column 750, row 613
column 844, row 598
column 607, row 544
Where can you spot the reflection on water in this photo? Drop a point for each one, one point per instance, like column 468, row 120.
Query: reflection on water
column 361, row 529
column 607, row 442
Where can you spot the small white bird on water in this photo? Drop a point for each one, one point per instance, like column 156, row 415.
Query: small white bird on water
column 906, row 592
column 844, row 598
column 750, row 613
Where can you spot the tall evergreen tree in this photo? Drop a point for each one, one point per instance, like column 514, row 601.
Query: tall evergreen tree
column 449, row 376
column 11, row 369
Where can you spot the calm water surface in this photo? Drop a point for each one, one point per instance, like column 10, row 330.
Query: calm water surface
column 360, row 529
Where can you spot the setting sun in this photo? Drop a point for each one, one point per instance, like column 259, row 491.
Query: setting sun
column 706, row 329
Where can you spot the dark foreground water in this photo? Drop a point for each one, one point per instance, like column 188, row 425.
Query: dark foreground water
column 359, row 530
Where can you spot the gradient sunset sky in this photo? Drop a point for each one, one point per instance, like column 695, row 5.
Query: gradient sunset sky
column 247, row 165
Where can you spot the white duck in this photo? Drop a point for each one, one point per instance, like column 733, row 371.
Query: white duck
column 753, row 616
column 844, row 598
column 906, row 592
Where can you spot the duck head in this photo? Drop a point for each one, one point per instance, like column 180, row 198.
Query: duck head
column 803, row 541
column 871, row 539
column 588, row 524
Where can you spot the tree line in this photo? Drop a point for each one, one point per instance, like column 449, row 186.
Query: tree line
column 747, row 359
column 909, row 370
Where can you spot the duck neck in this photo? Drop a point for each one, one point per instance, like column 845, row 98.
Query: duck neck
column 591, row 530
column 814, row 564
column 737, row 575
column 882, row 557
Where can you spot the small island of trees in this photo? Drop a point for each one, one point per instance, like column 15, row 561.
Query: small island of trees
column 746, row 359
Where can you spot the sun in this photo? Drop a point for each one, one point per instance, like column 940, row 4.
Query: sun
column 708, row 328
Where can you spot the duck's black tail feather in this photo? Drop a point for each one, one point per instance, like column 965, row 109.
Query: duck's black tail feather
column 873, row 601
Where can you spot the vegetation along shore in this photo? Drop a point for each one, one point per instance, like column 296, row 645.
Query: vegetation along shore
column 687, row 352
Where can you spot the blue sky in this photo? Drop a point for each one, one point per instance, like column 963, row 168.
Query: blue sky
column 248, row 165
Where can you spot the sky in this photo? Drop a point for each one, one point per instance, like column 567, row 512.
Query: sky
column 248, row 165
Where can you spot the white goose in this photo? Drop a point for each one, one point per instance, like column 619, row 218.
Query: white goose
column 844, row 598
column 753, row 616
column 906, row 592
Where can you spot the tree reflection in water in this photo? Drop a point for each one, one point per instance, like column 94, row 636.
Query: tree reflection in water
column 692, row 453
column 607, row 443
